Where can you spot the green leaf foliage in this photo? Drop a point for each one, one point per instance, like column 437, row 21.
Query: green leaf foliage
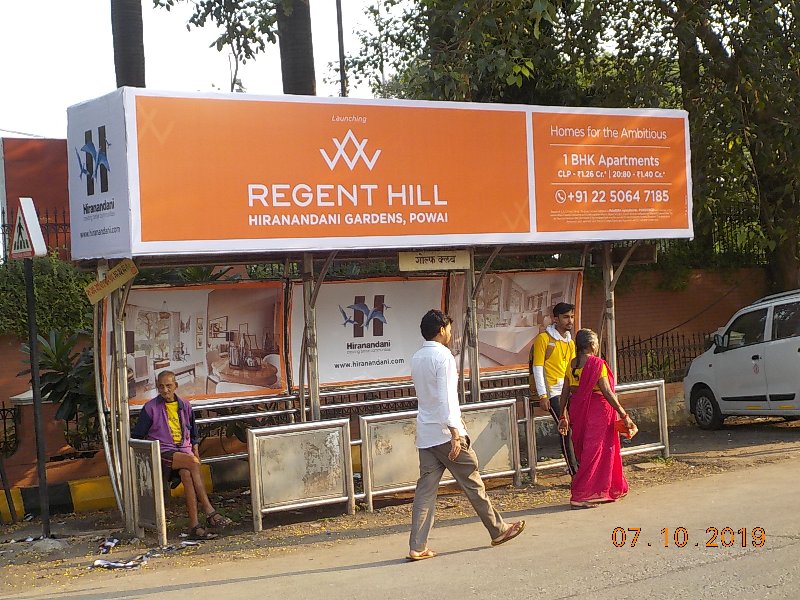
column 66, row 375
column 61, row 302
column 733, row 66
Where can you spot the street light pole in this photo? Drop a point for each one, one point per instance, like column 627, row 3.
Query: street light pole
column 38, row 428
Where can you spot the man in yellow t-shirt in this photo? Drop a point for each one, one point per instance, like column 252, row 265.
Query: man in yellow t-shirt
column 551, row 353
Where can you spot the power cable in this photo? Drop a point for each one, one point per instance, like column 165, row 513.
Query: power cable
column 34, row 135
column 652, row 337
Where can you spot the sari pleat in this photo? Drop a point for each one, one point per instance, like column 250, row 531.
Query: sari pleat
column 596, row 443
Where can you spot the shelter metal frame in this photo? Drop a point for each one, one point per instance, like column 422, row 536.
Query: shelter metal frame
column 117, row 403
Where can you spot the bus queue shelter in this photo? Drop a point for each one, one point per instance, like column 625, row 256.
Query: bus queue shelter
column 170, row 179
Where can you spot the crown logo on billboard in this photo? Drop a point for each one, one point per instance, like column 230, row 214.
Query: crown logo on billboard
column 341, row 153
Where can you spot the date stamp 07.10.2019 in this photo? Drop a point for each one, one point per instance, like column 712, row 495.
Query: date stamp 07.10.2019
column 679, row 537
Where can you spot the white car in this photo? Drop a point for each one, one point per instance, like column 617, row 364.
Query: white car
column 753, row 366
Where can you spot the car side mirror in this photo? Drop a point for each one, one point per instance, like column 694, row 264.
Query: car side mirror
column 719, row 344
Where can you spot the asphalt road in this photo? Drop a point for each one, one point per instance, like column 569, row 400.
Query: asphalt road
column 562, row 554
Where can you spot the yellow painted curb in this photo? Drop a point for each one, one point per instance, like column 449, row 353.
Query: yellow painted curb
column 91, row 494
column 16, row 498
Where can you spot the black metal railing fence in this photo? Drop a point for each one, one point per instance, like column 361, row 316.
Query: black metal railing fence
column 9, row 420
column 665, row 356
column 55, row 230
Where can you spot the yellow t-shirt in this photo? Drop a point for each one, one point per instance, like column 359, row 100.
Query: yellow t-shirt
column 552, row 354
column 574, row 376
column 174, row 421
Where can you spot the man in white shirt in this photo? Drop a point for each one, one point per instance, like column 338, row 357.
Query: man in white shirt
column 442, row 440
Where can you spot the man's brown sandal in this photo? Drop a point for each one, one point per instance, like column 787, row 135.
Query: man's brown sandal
column 422, row 555
column 509, row 534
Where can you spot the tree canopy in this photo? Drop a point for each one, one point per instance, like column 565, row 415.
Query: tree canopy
column 734, row 66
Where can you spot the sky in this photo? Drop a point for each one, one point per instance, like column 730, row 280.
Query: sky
column 56, row 53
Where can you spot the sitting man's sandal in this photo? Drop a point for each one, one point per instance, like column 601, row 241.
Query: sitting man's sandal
column 197, row 533
column 217, row 521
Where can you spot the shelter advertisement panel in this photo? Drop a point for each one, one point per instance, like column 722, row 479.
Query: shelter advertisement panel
column 512, row 309
column 219, row 173
column 366, row 330
column 220, row 340
column 99, row 194
column 603, row 171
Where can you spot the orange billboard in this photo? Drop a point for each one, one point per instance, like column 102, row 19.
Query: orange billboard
column 596, row 172
column 289, row 170
column 187, row 174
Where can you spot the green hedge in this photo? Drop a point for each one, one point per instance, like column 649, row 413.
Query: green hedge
column 61, row 303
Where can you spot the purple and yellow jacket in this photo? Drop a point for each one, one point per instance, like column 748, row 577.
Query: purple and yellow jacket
column 153, row 425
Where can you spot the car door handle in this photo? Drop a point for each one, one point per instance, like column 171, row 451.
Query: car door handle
column 756, row 357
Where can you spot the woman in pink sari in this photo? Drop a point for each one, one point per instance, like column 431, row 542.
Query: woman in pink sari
column 590, row 408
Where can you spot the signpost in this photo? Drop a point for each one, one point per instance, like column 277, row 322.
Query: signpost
column 27, row 242
column 115, row 279
column 434, row 260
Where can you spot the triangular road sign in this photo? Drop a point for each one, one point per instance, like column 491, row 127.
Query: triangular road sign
column 26, row 238
column 21, row 246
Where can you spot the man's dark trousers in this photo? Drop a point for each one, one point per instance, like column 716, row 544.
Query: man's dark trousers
column 566, row 440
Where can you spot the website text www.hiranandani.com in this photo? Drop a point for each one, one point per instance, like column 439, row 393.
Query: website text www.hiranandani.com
column 103, row 231
column 369, row 363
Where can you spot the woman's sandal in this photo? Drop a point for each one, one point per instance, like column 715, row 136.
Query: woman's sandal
column 582, row 505
column 217, row 521
column 198, row 532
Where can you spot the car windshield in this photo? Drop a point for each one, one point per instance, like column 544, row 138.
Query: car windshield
column 748, row 328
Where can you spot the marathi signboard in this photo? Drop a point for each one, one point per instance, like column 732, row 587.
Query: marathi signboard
column 154, row 174
column 436, row 260
column 116, row 277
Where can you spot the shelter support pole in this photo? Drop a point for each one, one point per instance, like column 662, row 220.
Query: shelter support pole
column 102, row 413
column 116, row 456
column 309, row 350
column 301, row 378
column 120, row 397
column 610, row 280
column 469, row 334
column 609, row 321
column 312, row 353
column 472, row 327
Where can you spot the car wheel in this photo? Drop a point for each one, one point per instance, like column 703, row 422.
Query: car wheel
column 706, row 410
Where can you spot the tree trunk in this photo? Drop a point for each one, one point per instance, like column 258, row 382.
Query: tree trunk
column 127, row 31
column 297, row 49
column 784, row 266
column 783, row 262
column 692, row 98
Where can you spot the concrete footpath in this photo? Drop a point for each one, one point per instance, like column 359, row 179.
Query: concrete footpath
column 698, row 538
